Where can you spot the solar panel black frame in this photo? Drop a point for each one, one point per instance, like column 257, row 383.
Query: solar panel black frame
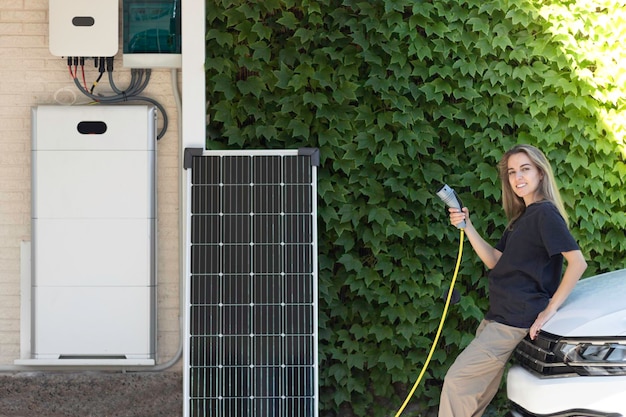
column 251, row 301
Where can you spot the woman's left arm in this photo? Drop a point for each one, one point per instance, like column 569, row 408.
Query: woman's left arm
column 576, row 265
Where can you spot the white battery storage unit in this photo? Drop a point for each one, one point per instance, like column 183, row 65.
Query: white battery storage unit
column 93, row 234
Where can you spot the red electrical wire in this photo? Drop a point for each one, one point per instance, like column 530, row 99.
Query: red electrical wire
column 69, row 67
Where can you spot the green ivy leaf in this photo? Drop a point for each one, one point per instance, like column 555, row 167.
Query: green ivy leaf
column 479, row 24
column 391, row 360
column 223, row 39
column 289, row 20
column 252, row 85
column 224, row 84
column 299, row 128
column 261, row 31
column 262, row 52
column 350, row 262
column 317, row 99
column 398, row 229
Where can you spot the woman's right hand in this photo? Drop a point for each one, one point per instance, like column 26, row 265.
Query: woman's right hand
column 487, row 253
column 457, row 216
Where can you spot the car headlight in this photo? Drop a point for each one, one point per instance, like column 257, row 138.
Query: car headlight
column 593, row 357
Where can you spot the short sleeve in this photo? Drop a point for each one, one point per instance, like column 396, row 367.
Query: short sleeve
column 555, row 235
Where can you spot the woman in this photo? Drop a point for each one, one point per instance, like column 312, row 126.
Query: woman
column 525, row 284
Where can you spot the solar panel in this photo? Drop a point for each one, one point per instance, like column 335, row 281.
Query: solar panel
column 251, row 348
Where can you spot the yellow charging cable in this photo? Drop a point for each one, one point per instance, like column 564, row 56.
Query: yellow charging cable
column 443, row 319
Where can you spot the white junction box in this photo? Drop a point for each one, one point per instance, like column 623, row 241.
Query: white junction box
column 93, row 234
column 86, row 28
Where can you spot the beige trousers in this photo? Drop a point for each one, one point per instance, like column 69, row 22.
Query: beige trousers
column 474, row 378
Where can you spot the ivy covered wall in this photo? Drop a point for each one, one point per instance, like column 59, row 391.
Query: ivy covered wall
column 400, row 95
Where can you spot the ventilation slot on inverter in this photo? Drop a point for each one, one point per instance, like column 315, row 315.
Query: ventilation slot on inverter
column 251, row 316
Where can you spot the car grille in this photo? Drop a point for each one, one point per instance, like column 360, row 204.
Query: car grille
column 538, row 356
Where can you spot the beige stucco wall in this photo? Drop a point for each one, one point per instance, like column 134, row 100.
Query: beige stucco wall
column 29, row 76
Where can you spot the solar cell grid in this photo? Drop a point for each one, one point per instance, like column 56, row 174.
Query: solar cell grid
column 252, row 303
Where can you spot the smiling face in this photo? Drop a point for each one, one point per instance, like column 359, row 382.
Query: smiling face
column 524, row 177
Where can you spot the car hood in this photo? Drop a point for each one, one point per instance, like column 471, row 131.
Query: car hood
column 596, row 307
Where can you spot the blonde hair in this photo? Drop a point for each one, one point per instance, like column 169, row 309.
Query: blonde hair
column 513, row 205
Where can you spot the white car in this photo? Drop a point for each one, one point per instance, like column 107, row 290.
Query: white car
column 577, row 364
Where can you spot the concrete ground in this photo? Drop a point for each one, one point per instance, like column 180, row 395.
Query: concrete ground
column 91, row 394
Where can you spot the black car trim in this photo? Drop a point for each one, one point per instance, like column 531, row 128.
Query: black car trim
column 577, row 412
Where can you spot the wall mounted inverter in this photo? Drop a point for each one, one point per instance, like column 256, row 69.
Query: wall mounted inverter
column 83, row 28
column 93, row 234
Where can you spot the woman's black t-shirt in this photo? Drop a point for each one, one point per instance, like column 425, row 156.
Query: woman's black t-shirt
column 529, row 270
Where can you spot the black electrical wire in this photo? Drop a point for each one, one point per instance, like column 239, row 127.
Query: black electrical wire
column 99, row 65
